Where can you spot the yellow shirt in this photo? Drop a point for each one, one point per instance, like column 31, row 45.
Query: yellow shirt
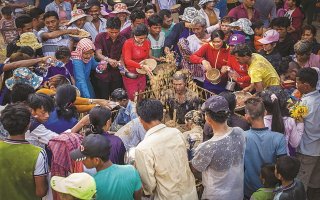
column 261, row 70
column 162, row 162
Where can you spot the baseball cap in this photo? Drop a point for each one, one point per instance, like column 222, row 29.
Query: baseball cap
column 269, row 37
column 216, row 104
column 93, row 145
column 79, row 185
column 237, row 39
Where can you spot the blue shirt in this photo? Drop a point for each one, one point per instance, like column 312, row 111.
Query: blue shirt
column 117, row 182
column 222, row 6
column 59, row 124
column 263, row 146
column 127, row 114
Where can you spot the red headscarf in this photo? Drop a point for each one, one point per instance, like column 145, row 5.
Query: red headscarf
column 83, row 45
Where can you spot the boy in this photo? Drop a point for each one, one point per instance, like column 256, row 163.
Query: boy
column 156, row 37
column 7, row 25
column 286, row 170
column 224, row 26
column 257, row 27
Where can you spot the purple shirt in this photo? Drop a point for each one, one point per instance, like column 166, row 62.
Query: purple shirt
column 117, row 149
column 66, row 71
column 126, row 32
column 241, row 12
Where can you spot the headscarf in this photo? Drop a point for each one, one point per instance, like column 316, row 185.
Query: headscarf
column 195, row 117
column 84, row 45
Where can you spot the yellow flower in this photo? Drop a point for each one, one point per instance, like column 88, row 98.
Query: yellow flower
column 299, row 111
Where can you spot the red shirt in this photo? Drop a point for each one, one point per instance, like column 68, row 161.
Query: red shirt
column 242, row 70
column 241, row 12
column 134, row 54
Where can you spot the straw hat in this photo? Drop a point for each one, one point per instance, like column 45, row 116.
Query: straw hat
column 120, row 8
column 213, row 75
column 78, row 14
column 151, row 63
column 189, row 14
column 29, row 39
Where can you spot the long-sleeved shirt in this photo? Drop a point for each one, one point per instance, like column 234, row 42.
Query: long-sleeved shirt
column 162, row 162
column 241, row 12
column 244, row 79
column 55, row 7
column 91, row 28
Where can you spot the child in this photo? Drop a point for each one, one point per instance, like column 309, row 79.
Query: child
column 286, row 171
column 258, row 32
column 156, row 37
column 7, row 25
column 269, row 182
column 224, row 26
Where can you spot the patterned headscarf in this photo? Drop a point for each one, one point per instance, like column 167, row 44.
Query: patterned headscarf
column 84, row 45
column 195, row 117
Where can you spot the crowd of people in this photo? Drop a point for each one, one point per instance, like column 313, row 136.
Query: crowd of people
column 75, row 125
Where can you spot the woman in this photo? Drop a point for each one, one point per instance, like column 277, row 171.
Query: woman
column 83, row 63
column 296, row 16
column 64, row 115
column 121, row 11
column 213, row 55
column 210, row 13
column 149, row 10
column 309, row 33
column 304, row 56
column 134, row 51
column 78, row 19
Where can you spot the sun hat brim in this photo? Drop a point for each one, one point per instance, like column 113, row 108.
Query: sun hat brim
column 88, row 18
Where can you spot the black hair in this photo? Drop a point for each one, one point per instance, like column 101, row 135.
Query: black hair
column 283, row 22
column 267, row 173
column 309, row 27
column 62, row 52
column 98, row 118
column 150, row 110
column 231, row 99
column 297, row 2
column 254, row 107
column 288, row 167
column 15, row 118
column 137, row 14
column 119, row 94
column 164, row 12
column 35, row 13
column 65, row 98
column 27, row 50
column 22, row 20
column 39, row 101
column 242, row 50
column 257, row 24
column 114, row 23
column 6, row 10
column 155, row 20
column 308, row 75
column 227, row 19
column 140, row 30
column 284, row 65
column 20, row 92
column 219, row 117
column 217, row 33
column 149, row 7
column 51, row 14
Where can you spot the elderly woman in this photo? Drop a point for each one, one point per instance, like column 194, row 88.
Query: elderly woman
column 191, row 44
column 304, row 56
column 210, row 13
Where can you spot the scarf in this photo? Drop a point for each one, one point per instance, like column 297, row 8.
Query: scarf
column 83, row 45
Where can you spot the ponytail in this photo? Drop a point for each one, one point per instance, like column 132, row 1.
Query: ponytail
column 277, row 124
column 98, row 118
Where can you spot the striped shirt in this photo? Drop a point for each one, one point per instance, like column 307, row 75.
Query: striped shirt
column 90, row 27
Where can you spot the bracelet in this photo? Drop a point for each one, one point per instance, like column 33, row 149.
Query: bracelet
column 90, row 101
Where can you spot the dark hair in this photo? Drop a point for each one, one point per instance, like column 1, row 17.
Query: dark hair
column 267, row 173
column 308, row 75
column 57, row 80
column 217, row 33
column 297, row 2
column 98, row 118
column 35, row 13
column 257, row 24
column 20, row 92
column 164, row 12
column 231, row 99
column 242, row 50
column 149, row 7
column 39, row 101
column 309, row 27
column 22, row 20
column 227, row 19
column 140, row 30
column 65, row 97
column 254, row 107
column 62, row 52
column 219, row 117
column 137, row 14
column 6, row 10
column 283, row 22
column 114, row 23
column 51, row 14
column 15, row 118
column 288, row 167
column 150, row 110
column 155, row 20
column 119, row 94
column 27, row 50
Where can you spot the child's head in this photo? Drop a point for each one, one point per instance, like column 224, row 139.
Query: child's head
column 149, row 10
column 254, row 109
column 257, row 27
column 41, row 106
column 281, row 25
column 155, row 23
column 309, row 33
column 7, row 12
column 307, row 79
column 293, row 70
column 63, row 54
column 224, row 26
column 287, row 168
column 267, row 176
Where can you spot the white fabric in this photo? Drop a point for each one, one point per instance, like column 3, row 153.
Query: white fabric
column 41, row 168
column 40, row 134
column 212, row 28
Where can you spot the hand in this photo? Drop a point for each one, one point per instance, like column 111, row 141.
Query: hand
column 102, row 102
column 85, row 120
column 224, row 69
column 147, row 69
column 113, row 63
column 206, row 65
column 73, row 31
column 234, row 75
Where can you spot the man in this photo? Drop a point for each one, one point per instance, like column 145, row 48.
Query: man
column 220, row 159
column 245, row 10
column 108, row 48
column 309, row 148
column 285, row 43
column 98, row 24
column 163, row 4
column 261, row 72
column 37, row 19
column 262, row 145
column 24, row 167
column 267, row 10
column 161, row 158
column 113, row 181
column 167, row 20
column 137, row 17
column 51, row 36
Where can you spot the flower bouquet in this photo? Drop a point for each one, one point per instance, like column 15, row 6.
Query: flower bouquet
column 298, row 111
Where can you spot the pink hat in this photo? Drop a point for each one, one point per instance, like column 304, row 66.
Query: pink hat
column 78, row 14
column 120, row 8
column 269, row 37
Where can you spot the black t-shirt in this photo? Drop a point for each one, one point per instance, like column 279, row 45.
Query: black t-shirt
column 285, row 48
